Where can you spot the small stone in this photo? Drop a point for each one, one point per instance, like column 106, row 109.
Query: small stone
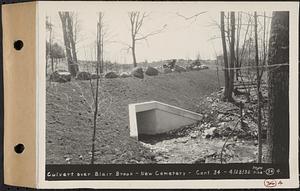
column 227, row 119
column 220, row 116
column 235, row 138
column 199, row 161
column 134, row 161
column 209, row 132
column 68, row 159
column 80, row 157
column 183, row 140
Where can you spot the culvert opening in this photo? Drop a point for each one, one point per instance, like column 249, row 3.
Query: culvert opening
column 154, row 121
column 173, row 134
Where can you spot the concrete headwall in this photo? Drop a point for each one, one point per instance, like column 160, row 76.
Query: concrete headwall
column 155, row 117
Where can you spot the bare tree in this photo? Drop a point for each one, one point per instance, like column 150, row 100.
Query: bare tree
column 99, row 68
column 278, row 83
column 136, row 22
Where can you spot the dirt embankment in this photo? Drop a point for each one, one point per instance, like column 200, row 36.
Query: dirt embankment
column 69, row 114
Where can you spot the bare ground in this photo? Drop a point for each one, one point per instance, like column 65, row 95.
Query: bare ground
column 69, row 117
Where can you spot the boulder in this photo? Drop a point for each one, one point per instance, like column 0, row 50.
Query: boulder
column 138, row 72
column 167, row 70
column 179, row 69
column 83, row 76
column 124, row 75
column 196, row 68
column 203, row 67
column 111, row 75
column 60, row 76
column 150, row 71
column 95, row 76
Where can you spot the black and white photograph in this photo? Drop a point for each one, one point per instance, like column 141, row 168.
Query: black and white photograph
column 178, row 86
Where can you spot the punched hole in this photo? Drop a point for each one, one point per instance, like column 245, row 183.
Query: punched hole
column 19, row 148
column 18, row 45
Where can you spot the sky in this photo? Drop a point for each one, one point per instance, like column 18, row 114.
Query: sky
column 181, row 38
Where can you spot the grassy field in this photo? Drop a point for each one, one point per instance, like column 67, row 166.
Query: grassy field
column 69, row 115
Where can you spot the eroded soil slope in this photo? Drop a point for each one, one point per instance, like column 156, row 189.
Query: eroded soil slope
column 69, row 114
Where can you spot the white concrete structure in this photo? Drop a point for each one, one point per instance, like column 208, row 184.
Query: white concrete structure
column 155, row 117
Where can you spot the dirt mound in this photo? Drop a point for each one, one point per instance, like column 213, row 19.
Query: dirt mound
column 69, row 115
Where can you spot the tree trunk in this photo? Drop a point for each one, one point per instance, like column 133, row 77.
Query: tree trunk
column 71, row 36
column 238, row 32
column 258, row 91
column 226, row 72
column 232, row 56
column 72, row 41
column 278, row 81
column 71, row 66
column 96, row 98
column 50, row 50
column 133, row 52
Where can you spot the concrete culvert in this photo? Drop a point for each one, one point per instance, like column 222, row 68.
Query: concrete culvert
column 150, row 71
column 83, row 76
column 60, row 76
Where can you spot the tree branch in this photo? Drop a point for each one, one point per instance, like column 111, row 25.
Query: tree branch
column 191, row 17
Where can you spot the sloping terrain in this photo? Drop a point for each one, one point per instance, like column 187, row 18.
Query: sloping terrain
column 69, row 114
